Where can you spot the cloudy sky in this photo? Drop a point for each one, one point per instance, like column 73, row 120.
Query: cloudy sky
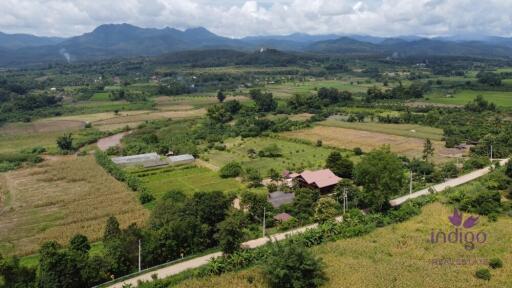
column 237, row 18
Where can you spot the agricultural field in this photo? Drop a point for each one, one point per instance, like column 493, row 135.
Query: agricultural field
column 399, row 254
column 351, row 138
column 187, row 178
column 58, row 198
column 296, row 156
column 406, row 130
column 192, row 100
column 503, row 99
column 18, row 136
column 305, row 88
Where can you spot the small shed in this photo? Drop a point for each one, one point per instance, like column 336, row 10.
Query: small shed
column 283, row 217
column 181, row 159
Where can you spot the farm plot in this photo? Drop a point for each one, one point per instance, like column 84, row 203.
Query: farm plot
column 305, row 88
column 463, row 97
column 351, row 138
column 406, row 130
column 295, row 155
column 399, row 256
column 188, row 179
column 59, row 198
column 18, row 136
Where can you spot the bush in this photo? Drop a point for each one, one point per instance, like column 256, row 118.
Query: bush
column 495, row 263
column 145, row 197
column 231, row 170
column 483, row 273
column 293, row 266
column 508, row 169
column 358, row 151
column 476, row 162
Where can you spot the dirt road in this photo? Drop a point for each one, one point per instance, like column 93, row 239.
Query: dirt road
column 111, row 141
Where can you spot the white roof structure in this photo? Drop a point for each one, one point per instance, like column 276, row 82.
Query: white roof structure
column 181, row 158
column 136, row 159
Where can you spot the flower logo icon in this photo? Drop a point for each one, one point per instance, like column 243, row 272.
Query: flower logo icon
column 457, row 217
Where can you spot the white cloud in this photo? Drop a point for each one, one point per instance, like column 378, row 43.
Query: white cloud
column 258, row 17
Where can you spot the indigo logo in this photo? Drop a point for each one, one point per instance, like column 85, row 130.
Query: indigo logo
column 459, row 234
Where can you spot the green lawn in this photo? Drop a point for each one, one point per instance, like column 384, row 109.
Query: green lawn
column 189, row 179
column 462, row 97
column 407, row 130
column 295, row 156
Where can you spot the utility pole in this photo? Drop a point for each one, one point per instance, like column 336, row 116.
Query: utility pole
column 410, row 183
column 264, row 212
column 139, row 256
column 345, row 198
column 491, row 152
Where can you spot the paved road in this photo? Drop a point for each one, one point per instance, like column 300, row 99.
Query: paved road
column 445, row 185
column 203, row 260
column 111, row 141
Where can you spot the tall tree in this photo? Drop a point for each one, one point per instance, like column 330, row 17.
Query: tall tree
column 339, row 165
column 112, row 229
column 428, row 150
column 220, row 96
column 230, row 233
column 382, row 175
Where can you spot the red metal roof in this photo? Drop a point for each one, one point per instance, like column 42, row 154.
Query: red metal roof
column 320, row 178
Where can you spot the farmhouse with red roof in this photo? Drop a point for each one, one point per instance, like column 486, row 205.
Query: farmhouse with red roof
column 325, row 179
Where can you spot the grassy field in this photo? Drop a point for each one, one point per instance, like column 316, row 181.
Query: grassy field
column 366, row 140
column 399, row 256
column 305, row 88
column 295, row 156
column 59, row 198
column 18, row 136
column 462, row 97
column 189, row 179
column 406, row 130
column 100, row 96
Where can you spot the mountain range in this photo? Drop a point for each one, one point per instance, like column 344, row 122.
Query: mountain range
column 125, row 40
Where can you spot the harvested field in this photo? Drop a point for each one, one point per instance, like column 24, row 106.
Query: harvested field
column 406, row 130
column 152, row 116
column 351, row 138
column 41, row 126
column 59, row 198
column 100, row 116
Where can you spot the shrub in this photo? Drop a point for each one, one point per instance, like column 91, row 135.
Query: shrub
column 145, row 197
column 231, row 170
column 483, row 273
column 495, row 263
column 476, row 162
column 293, row 266
column 508, row 169
column 493, row 217
column 358, row 151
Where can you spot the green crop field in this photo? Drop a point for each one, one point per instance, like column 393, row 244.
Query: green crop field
column 189, row 179
column 398, row 256
column 305, row 88
column 462, row 97
column 295, row 155
column 101, row 96
column 407, row 130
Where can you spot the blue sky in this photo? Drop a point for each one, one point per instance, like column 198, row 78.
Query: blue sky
column 234, row 18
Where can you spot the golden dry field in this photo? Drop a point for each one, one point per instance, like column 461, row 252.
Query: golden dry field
column 400, row 256
column 366, row 140
column 58, row 198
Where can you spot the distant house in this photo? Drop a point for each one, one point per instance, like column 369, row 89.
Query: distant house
column 279, row 198
column 181, row 159
column 140, row 159
column 325, row 179
column 283, row 217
